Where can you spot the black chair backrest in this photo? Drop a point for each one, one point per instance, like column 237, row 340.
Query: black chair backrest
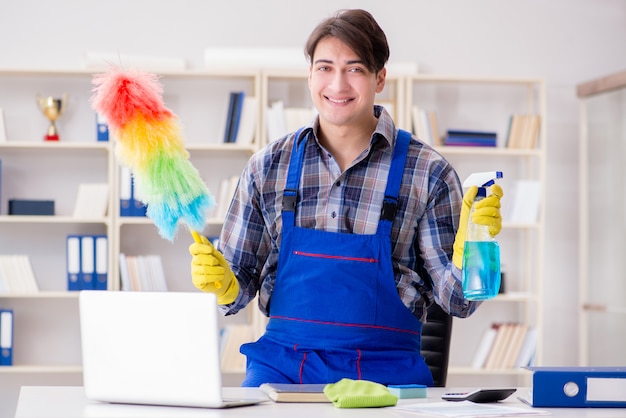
column 436, row 335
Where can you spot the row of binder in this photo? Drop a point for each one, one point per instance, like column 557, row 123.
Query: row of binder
column 6, row 337
column 87, row 262
column 130, row 195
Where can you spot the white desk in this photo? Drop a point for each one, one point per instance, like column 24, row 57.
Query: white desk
column 70, row 402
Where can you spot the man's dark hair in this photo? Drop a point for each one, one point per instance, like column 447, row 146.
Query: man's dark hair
column 359, row 31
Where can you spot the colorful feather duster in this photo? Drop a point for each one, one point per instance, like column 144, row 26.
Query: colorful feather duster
column 150, row 143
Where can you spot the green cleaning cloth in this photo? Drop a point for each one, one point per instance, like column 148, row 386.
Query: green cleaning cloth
column 348, row 393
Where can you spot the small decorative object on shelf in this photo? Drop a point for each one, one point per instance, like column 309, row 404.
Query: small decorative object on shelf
column 52, row 108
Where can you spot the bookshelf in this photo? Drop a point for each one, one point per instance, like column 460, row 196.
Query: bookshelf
column 46, row 327
column 486, row 104
column 602, row 106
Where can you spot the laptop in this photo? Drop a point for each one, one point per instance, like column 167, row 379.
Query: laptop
column 152, row 348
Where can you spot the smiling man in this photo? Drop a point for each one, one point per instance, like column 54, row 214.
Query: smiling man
column 347, row 230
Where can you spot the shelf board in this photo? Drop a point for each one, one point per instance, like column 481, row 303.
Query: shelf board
column 55, row 145
column 44, row 294
column 460, row 370
column 56, row 219
column 488, row 151
column 516, row 297
column 41, row 369
column 144, row 220
column 220, row 147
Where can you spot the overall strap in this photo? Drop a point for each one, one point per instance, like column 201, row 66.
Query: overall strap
column 394, row 180
column 290, row 194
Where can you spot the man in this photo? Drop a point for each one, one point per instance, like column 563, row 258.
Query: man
column 345, row 229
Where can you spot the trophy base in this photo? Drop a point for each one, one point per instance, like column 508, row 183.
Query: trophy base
column 51, row 137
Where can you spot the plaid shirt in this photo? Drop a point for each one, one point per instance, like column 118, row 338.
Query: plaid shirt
column 423, row 230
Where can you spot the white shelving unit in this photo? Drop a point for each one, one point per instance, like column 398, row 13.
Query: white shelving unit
column 602, row 222
column 486, row 104
column 46, row 328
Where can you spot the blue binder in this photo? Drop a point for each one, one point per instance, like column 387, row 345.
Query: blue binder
column 73, row 262
column 87, row 262
column 578, row 387
column 126, row 192
column 102, row 128
column 101, row 262
column 6, row 337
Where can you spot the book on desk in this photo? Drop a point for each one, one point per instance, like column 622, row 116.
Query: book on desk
column 286, row 392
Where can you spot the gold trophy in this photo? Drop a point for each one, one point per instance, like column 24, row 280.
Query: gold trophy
column 52, row 108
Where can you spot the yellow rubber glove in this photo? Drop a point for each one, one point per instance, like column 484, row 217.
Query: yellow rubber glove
column 210, row 272
column 487, row 212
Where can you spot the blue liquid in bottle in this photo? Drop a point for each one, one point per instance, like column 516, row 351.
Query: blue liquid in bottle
column 481, row 269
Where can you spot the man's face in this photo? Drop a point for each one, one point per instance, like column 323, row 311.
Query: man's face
column 342, row 88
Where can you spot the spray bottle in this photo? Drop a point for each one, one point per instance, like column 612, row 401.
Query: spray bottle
column 481, row 255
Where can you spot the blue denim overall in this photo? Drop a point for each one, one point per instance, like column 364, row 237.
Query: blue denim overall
column 335, row 311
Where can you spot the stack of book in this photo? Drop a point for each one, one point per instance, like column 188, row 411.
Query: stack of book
column 425, row 126
column 130, row 195
column 228, row 186
column 506, row 346
column 240, row 118
column 142, row 273
column 471, row 138
column 282, row 119
column 232, row 337
column 16, row 275
column 523, row 131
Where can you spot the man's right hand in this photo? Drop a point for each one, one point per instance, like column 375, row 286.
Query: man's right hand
column 210, row 272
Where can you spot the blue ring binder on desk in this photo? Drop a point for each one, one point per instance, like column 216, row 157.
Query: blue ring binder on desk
column 578, row 387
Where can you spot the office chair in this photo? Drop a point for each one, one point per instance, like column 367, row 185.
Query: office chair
column 436, row 335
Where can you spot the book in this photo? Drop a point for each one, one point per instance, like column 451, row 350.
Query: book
column 471, row 138
column 248, row 121
column 496, row 346
column 6, row 337
column 142, row 273
column 420, row 122
column 297, row 117
column 92, row 201
column 483, row 349
column 3, row 129
column 527, row 349
column 233, row 336
column 233, row 113
column 17, row 275
column 276, row 121
column 434, row 127
column 513, row 348
column 228, row 186
column 288, row 392
column 526, row 201
column 523, row 131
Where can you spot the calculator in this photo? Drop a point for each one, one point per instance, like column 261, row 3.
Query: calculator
column 479, row 395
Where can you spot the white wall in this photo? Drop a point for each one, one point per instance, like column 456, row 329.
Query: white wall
column 564, row 41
